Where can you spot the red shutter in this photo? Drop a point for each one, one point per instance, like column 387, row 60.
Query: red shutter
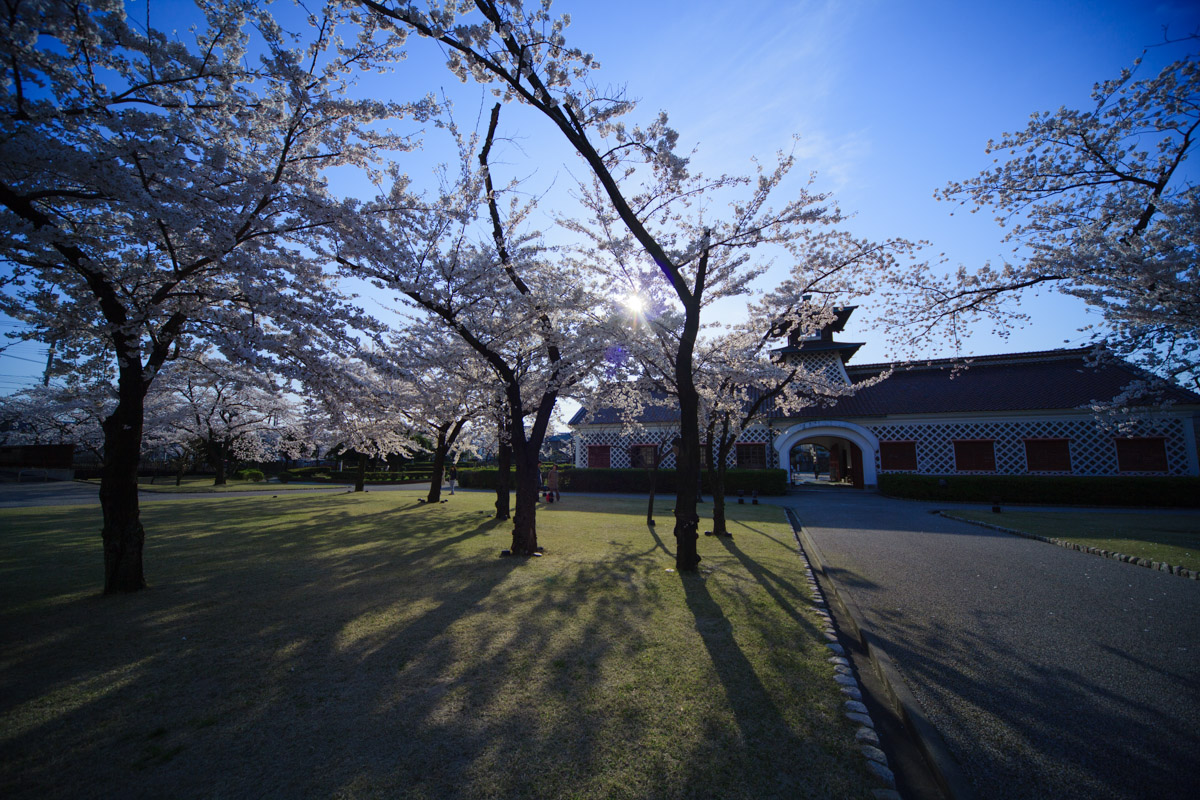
column 975, row 455
column 598, row 456
column 898, row 456
column 1048, row 455
column 1144, row 454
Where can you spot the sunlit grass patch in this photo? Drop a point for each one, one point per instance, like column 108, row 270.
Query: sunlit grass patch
column 369, row 645
column 1158, row 536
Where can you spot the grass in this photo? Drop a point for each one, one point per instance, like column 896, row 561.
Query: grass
column 203, row 484
column 368, row 646
column 1158, row 536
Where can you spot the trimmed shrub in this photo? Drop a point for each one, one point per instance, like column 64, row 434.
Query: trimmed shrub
column 637, row 481
column 1053, row 490
column 249, row 474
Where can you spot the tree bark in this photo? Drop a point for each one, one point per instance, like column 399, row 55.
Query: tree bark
column 360, row 477
column 217, row 459
column 687, row 521
column 439, row 468
column 526, row 450
column 524, row 535
column 717, row 474
column 503, row 481
column 123, row 536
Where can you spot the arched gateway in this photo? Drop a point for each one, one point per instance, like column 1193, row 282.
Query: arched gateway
column 861, row 453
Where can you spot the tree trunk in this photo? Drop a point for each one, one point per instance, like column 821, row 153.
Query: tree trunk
column 658, row 457
column 687, row 521
column 717, row 474
column 216, row 460
column 123, row 536
column 650, row 503
column 360, row 477
column 503, row 475
column 524, row 535
column 526, row 452
column 221, row 478
column 439, row 468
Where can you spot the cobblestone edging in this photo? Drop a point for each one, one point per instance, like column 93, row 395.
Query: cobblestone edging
column 865, row 737
column 1160, row 566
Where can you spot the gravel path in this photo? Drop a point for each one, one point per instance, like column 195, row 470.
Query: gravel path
column 1050, row 673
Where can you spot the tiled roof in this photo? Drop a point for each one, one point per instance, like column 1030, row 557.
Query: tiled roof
column 1047, row 380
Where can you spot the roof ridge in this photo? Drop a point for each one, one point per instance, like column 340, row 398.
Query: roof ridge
column 996, row 358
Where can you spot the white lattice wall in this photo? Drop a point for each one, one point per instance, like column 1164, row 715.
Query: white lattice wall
column 619, row 445
column 1093, row 451
column 826, row 366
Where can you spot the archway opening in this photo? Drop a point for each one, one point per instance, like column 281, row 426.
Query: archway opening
column 832, row 460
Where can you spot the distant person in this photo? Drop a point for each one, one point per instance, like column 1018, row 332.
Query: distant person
column 452, row 476
column 552, row 483
column 816, row 472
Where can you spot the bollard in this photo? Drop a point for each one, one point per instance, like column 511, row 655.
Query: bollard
column 741, row 496
column 756, row 497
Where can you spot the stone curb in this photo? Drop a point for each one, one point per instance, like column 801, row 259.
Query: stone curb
column 853, row 709
column 937, row 755
column 1159, row 566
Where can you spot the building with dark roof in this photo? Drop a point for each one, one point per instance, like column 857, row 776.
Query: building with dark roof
column 1017, row 414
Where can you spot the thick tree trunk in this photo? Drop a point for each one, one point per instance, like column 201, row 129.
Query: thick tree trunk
column 439, row 469
column 526, row 452
column 219, row 465
column 360, row 476
column 503, row 481
column 687, row 521
column 718, row 490
column 524, row 535
column 123, row 536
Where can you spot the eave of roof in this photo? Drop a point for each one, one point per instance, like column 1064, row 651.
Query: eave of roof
column 1045, row 380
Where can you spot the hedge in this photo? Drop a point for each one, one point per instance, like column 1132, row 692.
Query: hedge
column 637, row 481
column 1055, row 490
column 327, row 475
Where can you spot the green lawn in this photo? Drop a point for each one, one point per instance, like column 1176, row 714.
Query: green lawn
column 203, row 484
column 368, row 646
column 1170, row 537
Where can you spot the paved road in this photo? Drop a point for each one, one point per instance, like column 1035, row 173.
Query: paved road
column 1050, row 673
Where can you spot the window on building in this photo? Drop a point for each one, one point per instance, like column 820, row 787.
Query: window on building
column 598, row 456
column 751, row 456
column 898, row 456
column 975, row 455
column 1048, row 455
column 1142, row 454
column 642, row 456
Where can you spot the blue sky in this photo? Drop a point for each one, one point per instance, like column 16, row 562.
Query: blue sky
column 891, row 100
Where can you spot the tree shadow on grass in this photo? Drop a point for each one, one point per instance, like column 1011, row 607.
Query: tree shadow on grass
column 325, row 654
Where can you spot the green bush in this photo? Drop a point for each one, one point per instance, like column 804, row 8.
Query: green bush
column 637, row 481
column 249, row 474
column 1055, row 490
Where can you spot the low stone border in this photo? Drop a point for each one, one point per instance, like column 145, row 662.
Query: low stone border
column 1160, row 566
column 865, row 737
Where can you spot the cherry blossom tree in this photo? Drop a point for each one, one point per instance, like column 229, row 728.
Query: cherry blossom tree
column 524, row 311
column 646, row 204
column 445, row 388
column 354, row 406
column 738, row 375
column 1102, row 206
column 149, row 188
column 71, row 414
column 222, row 410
